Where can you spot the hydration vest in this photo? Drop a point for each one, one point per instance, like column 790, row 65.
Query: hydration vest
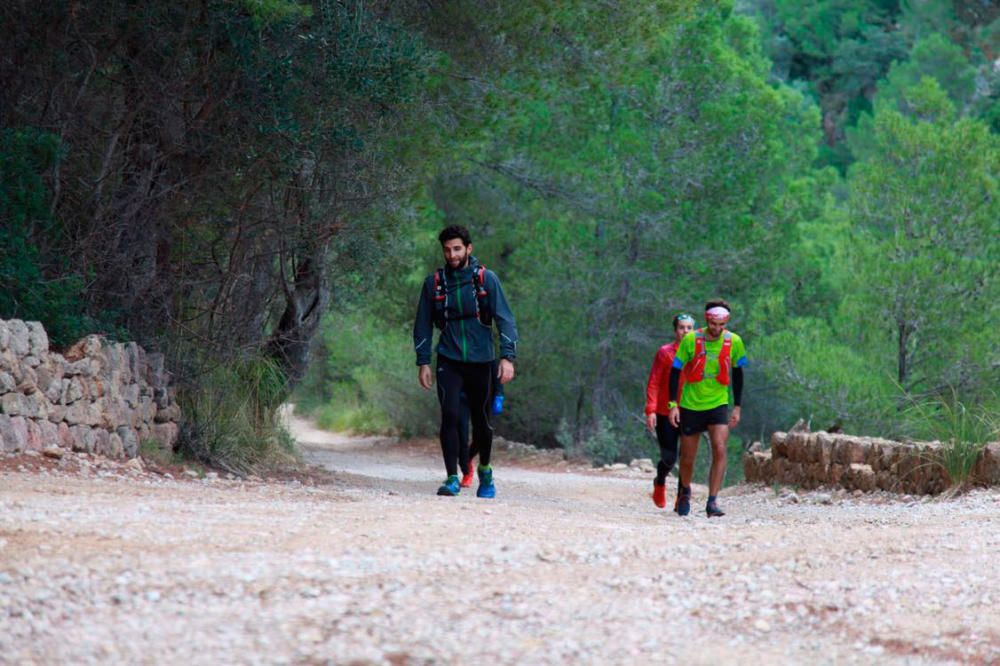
column 482, row 311
column 694, row 370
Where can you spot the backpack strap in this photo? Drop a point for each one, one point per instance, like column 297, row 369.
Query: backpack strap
column 440, row 297
column 483, row 313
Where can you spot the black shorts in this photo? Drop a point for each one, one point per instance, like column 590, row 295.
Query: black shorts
column 694, row 422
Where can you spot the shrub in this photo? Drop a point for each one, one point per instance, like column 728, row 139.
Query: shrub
column 963, row 431
column 231, row 418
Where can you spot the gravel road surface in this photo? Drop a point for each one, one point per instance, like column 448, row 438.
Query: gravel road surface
column 101, row 563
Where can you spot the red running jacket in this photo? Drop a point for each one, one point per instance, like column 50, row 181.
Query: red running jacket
column 658, row 385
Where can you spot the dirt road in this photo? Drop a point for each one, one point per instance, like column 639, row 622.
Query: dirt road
column 563, row 567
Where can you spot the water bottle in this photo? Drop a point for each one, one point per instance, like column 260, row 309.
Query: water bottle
column 497, row 404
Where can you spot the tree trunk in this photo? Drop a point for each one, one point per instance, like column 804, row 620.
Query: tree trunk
column 305, row 301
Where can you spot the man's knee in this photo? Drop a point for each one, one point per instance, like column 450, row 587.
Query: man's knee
column 718, row 450
column 450, row 416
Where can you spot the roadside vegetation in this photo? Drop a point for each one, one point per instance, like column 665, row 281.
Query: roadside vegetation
column 258, row 196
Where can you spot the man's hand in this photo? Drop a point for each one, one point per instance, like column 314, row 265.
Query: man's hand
column 425, row 377
column 506, row 371
column 651, row 422
column 675, row 417
column 734, row 418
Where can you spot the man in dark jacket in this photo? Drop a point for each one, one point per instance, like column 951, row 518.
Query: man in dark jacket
column 464, row 300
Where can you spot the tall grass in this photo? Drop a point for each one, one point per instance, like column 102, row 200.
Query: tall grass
column 231, row 417
column 962, row 430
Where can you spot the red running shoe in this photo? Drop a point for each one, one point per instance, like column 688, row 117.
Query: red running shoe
column 467, row 477
column 659, row 494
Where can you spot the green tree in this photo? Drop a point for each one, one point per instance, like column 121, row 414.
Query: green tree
column 35, row 285
column 926, row 251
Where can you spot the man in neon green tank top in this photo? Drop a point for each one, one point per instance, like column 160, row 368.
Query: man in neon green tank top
column 711, row 360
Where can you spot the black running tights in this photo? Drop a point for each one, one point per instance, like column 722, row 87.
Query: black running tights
column 667, row 436
column 475, row 379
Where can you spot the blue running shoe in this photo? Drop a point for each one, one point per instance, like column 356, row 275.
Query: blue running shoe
column 713, row 510
column 486, row 488
column 450, row 487
column 684, row 501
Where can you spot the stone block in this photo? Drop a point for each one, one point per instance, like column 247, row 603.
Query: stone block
column 83, row 438
column 31, row 361
column 130, row 393
column 7, row 383
column 89, row 347
column 102, row 442
column 862, row 477
column 114, row 365
column 135, row 357
column 85, row 367
column 850, row 451
column 10, row 363
column 75, row 389
column 4, row 336
column 84, row 413
column 97, row 387
column 795, row 449
column 116, row 414
column 797, row 438
column 17, row 404
column 779, row 445
column 35, row 442
column 824, row 448
column 27, row 379
column 146, row 413
column 156, row 373
column 49, row 432
column 66, row 439
column 756, row 466
column 161, row 397
column 166, row 434
column 38, row 339
column 815, row 474
column 57, row 413
column 48, row 375
column 876, row 454
column 13, row 433
column 18, row 341
column 171, row 414
column 793, row 474
column 835, row 473
column 130, row 442
column 116, row 448
column 987, row 468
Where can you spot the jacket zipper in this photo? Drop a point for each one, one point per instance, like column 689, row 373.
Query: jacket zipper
column 461, row 322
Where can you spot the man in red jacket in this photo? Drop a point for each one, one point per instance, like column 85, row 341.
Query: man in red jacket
column 658, row 408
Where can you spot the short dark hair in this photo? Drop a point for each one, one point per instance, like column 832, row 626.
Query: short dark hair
column 678, row 318
column 717, row 303
column 453, row 232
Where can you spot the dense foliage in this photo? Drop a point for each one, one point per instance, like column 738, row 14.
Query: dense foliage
column 212, row 177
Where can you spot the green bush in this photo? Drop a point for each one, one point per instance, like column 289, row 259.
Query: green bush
column 231, row 418
column 364, row 380
column 35, row 281
column 963, row 431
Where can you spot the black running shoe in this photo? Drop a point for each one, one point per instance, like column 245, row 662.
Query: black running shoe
column 684, row 502
column 713, row 510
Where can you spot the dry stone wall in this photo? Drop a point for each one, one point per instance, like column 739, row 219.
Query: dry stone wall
column 814, row 459
column 97, row 397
